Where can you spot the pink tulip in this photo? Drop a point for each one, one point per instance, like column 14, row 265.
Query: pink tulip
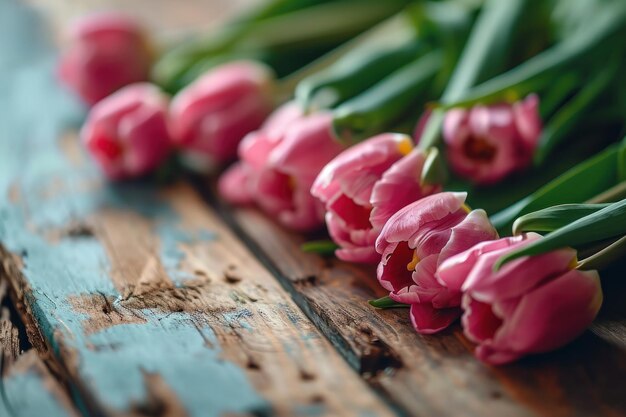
column 107, row 51
column 238, row 184
column 285, row 182
column 355, row 213
column 126, row 133
column 279, row 164
column 415, row 241
column 213, row 114
column 531, row 305
column 487, row 143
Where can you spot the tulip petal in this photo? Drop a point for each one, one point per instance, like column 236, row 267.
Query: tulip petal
column 428, row 320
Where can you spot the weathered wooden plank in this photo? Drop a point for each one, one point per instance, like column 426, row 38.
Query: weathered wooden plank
column 149, row 304
column 29, row 390
column 437, row 375
column 27, row 387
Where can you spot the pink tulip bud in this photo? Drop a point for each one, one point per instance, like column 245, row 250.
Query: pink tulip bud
column 346, row 186
column 126, row 133
column 238, row 185
column 487, row 143
column 415, row 241
column 107, row 51
column 213, row 114
column 284, row 185
column 531, row 305
column 279, row 164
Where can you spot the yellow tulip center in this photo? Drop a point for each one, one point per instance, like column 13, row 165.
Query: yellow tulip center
column 411, row 265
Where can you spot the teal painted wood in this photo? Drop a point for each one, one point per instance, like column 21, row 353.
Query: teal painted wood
column 29, row 397
column 28, row 390
column 119, row 285
column 34, row 112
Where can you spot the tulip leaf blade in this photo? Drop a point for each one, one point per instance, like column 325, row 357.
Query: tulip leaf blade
column 573, row 186
column 552, row 218
column 607, row 223
column 434, row 171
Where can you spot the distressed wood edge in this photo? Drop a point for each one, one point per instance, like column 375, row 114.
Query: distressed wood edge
column 18, row 291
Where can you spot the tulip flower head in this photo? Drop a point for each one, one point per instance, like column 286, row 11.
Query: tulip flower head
column 126, row 133
column 363, row 186
column 213, row 114
column 415, row 241
column 530, row 305
column 487, row 143
column 107, row 52
column 279, row 164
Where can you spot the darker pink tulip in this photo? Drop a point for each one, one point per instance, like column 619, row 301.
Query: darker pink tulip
column 107, row 51
column 415, row 241
column 487, row 143
column 126, row 133
column 213, row 114
column 531, row 305
column 279, row 164
column 363, row 186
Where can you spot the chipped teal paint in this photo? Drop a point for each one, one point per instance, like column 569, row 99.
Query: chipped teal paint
column 112, row 363
column 22, row 390
column 171, row 252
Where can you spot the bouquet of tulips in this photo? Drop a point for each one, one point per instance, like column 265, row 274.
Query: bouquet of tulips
column 472, row 149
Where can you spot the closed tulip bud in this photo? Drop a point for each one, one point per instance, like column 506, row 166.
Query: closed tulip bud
column 127, row 133
column 106, row 52
column 487, row 143
column 213, row 114
column 530, row 305
column 415, row 241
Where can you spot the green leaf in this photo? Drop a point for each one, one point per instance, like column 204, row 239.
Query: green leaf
column 555, row 217
column 607, row 223
column 385, row 103
column 483, row 54
column 386, row 302
column 569, row 116
column 605, row 30
column 322, row 247
column 435, row 171
column 577, row 185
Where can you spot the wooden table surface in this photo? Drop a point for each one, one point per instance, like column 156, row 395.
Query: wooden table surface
column 146, row 300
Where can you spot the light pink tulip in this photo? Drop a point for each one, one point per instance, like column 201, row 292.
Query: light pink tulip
column 415, row 241
column 213, row 114
column 363, row 186
column 487, row 143
column 107, row 51
column 531, row 305
column 126, row 133
column 279, row 164
column 238, row 185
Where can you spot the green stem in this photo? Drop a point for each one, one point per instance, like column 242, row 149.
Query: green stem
column 605, row 257
column 614, row 193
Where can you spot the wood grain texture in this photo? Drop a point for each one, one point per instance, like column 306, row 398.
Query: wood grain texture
column 147, row 302
column 437, row 375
